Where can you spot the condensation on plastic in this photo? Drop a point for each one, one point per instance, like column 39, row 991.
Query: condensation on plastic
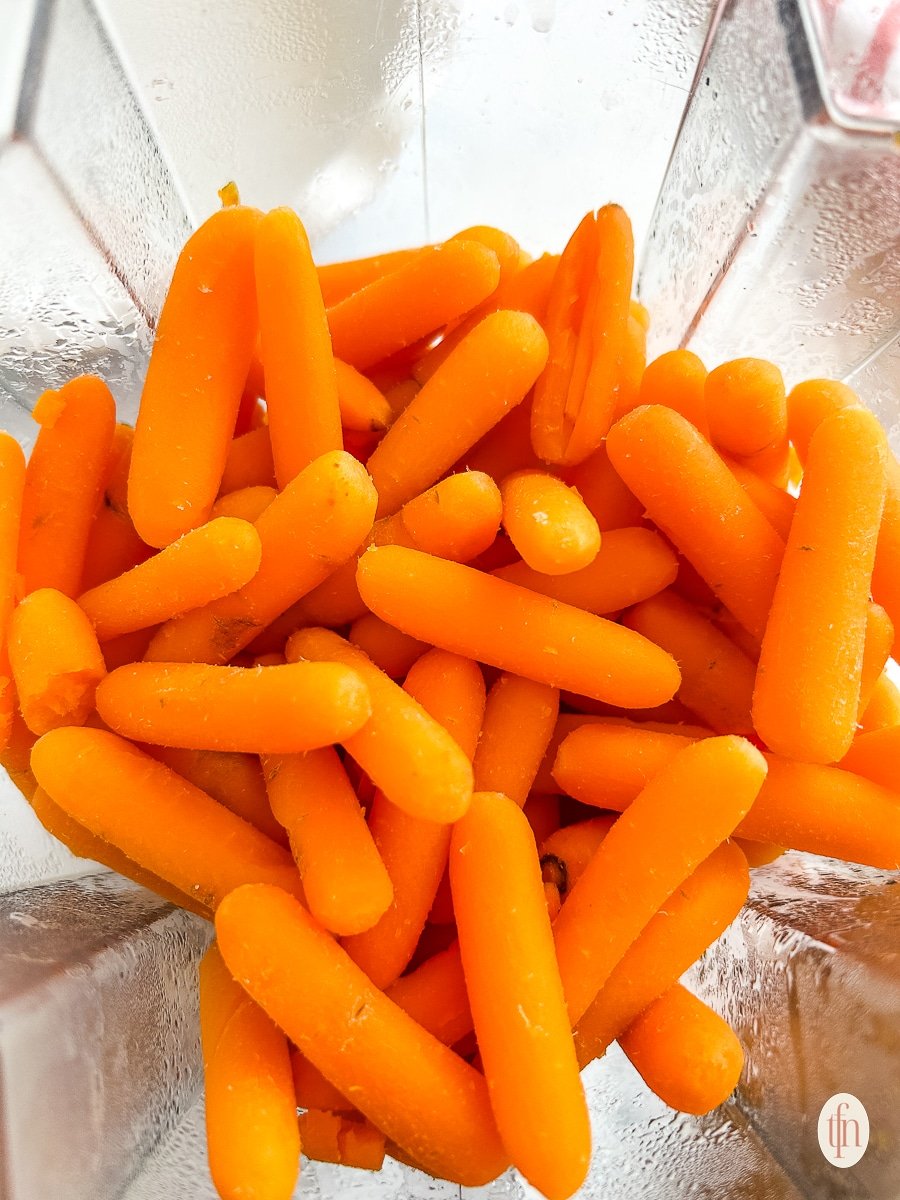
column 809, row 978
column 856, row 51
column 99, row 1053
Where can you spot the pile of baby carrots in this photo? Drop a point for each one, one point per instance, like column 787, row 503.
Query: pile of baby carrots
column 457, row 663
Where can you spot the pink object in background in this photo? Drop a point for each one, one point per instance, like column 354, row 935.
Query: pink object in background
column 856, row 46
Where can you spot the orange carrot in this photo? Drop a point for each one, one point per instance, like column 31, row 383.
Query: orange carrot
column 808, row 683
column 693, row 497
column 415, row 1090
column 633, row 362
column 458, row 518
column 205, row 339
column 248, row 462
column 64, row 483
column 202, row 565
column 716, row 678
column 543, row 815
column 822, row 810
column 15, row 757
column 84, row 844
column 689, row 921
column 113, row 548
column 363, row 408
column 883, row 709
column 55, row 660
column 775, row 505
column 295, row 344
column 169, row 827
column 602, row 490
column 346, row 885
column 401, row 395
column 342, row 279
column 516, row 995
column 631, row 565
column 548, row 523
column 808, row 405
column 234, row 780
column 519, row 720
column 396, row 309
column 877, row 646
column 505, row 448
column 257, row 710
column 251, row 1115
column 435, row 995
column 343, row 1138
column 746, row 407
column 312, row 1089
column 247, row 504
column 118, row 464
column 677, row 379
column 405, row 752
column 488, row 373
column 679, row 818
column 566, row 853
column 313, row 526
column 759, row 854
column 451, row 691
column 390, row 650
column 587, row 324
column 506, row 626
column 875, row 756
column 684, row 1052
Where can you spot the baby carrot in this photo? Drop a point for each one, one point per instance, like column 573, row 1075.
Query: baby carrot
column 345, row 883
column 566, row 853
column 342, row 279
column 405, row 752
column 678, row 819
column 424, row 293
column 55, row 660
column 435, row 996
column 775, row 505
column 234, row 780
column 543, row 814
column 205, row 339
column 488, row 373
column 883, row 709
column 363, row 408
column 84, row 844
column 505, row 448
column 519, row 719
column 808, row 682
column 677, row 379
column 808, row 406
column 15, row 756
column 313, row 526
column 716, row 677
column 414, row 850
column 312, row 1089
column 819, row 809
column 247, row 504
column 346, row 1139
column 113, row 548
column 168, row 826
column 684, row 1052
column 257, row 710
column 415, row 1090
column 877, row 647
column 689, row 921
column 587, row 324
column 746, row 406
column 694, row 499
column 548, row 523
column 390, row 650
column 64, row 483
column 458, row 518
column 295, row 345
column 248, row 462
column 202, row 565
column 509, row 627
column 759, row 854
column 631, row 565
column 602, row 490
column 252, row 1136
column 875, row 756
column 516, row 995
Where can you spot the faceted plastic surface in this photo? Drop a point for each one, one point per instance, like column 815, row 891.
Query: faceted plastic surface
column 775, row 232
